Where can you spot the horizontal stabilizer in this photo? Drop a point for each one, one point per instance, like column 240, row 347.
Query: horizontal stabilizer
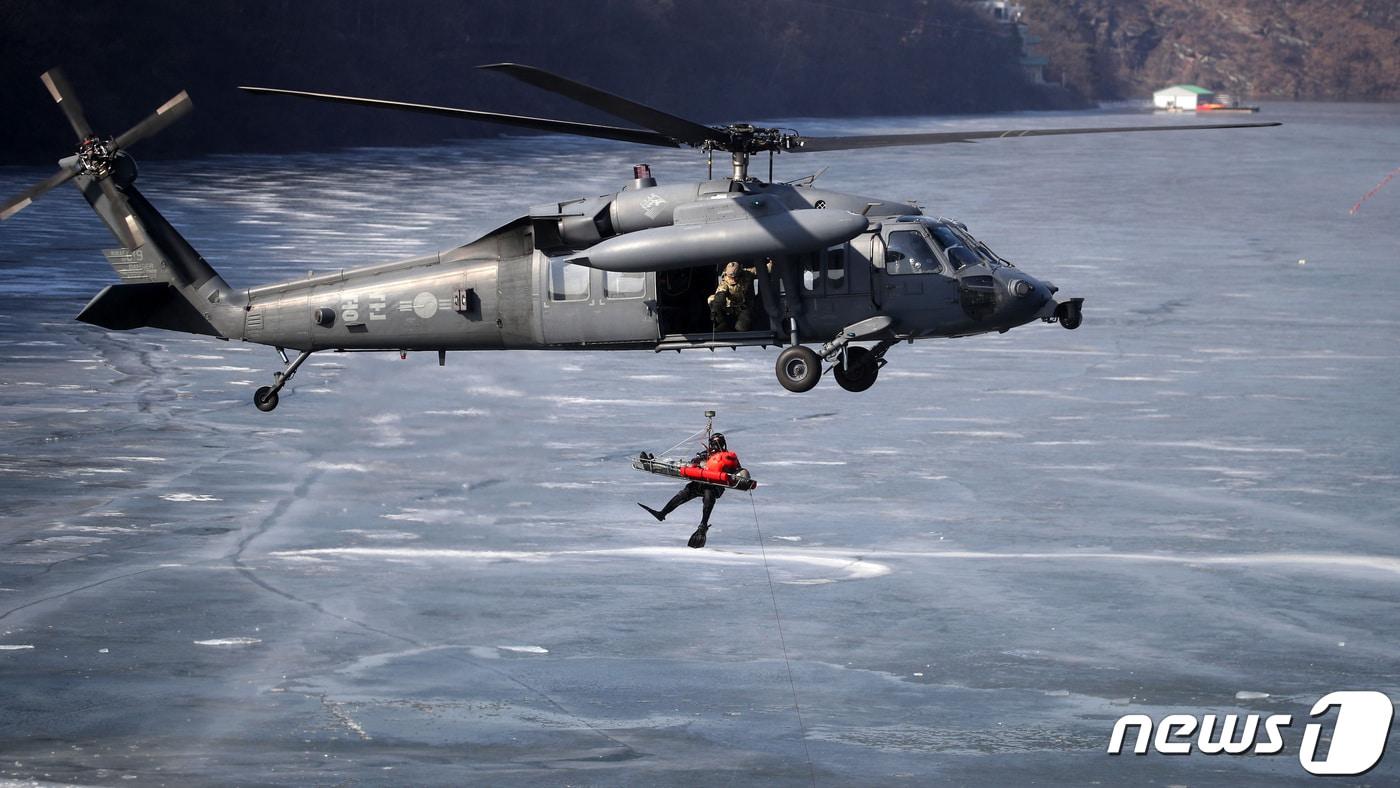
column 148, row 304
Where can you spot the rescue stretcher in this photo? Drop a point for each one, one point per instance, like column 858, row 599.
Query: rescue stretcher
column 682, row 469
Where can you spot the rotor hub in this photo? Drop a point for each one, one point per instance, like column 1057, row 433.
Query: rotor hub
column 97, row 156
column 746, row 138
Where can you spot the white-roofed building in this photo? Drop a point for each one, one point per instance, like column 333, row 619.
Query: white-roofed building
column 1183, row 97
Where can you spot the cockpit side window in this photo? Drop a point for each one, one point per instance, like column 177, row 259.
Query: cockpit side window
column 909, row 253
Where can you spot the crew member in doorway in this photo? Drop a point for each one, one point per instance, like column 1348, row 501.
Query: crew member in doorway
column 730, row 306
column 716, row 456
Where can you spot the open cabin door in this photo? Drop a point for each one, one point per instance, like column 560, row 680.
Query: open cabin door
column 686, row 317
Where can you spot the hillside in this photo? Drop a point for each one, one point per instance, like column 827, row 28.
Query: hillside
column 1294, row 49
column 715, row 61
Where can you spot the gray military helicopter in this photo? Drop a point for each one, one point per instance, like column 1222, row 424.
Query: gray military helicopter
column 630, row 270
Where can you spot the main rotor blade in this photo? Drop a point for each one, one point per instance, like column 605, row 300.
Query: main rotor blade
column 640, row 136
column 19, row 203
column 67, row 101
column 168, row 113
column 814, row 144
column 677, row 128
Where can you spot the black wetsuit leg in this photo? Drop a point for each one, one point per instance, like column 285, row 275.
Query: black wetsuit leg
column 689, row 492
column 711, row 495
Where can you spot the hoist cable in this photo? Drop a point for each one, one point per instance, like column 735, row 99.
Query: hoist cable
column 782, row 641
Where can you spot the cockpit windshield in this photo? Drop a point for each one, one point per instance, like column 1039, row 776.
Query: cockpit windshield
column 944, row 235
column 948, row 235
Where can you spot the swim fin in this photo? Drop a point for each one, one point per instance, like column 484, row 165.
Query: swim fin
column 697, row 539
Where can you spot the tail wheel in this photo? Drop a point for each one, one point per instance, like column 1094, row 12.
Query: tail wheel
column 859, row 371
column 265, row 399
column 1070, row 315
column 799, row 368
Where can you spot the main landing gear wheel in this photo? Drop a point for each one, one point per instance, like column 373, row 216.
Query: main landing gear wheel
column 859, row 371
column 799, row 368
column 265, row 399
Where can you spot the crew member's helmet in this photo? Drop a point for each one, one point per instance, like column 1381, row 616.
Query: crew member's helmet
column 717, row 442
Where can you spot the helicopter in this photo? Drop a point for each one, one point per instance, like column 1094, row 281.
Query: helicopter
column 630, row 270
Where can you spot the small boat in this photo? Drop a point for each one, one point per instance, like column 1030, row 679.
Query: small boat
column 1224, row 108
column 1223, row 102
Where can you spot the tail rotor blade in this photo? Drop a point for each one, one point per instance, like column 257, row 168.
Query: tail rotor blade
column 67, row 101
column 19, row 203
column 124, row 232
column 168, row 113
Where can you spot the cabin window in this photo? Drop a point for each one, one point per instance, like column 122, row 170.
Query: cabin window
column 836, row 268
column 811, row 271
column 909, row 253
column 617, row 284
column 568, row 282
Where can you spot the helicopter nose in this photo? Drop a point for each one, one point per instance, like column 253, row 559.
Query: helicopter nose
column 1029, row 297
column 1029, row 290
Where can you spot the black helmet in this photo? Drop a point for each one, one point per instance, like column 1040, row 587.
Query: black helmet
column 717, row 442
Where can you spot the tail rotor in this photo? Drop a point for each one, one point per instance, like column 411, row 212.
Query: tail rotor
column 97, row 157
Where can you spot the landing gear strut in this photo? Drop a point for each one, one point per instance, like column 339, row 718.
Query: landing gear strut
column 265, row 398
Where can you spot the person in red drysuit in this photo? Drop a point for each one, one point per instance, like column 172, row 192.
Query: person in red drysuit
column 715, row 457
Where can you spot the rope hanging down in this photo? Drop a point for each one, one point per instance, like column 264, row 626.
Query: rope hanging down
column 782, row 641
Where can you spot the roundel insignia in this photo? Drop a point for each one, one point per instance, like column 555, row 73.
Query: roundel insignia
column 425, row 305
column 820, row 204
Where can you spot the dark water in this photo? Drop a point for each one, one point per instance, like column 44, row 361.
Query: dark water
column 409, row 574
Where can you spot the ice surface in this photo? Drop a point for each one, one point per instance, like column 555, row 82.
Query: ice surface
column 978, row 565
column 228, row 642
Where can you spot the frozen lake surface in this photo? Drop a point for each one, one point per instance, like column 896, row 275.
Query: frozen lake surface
column 409, row 574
